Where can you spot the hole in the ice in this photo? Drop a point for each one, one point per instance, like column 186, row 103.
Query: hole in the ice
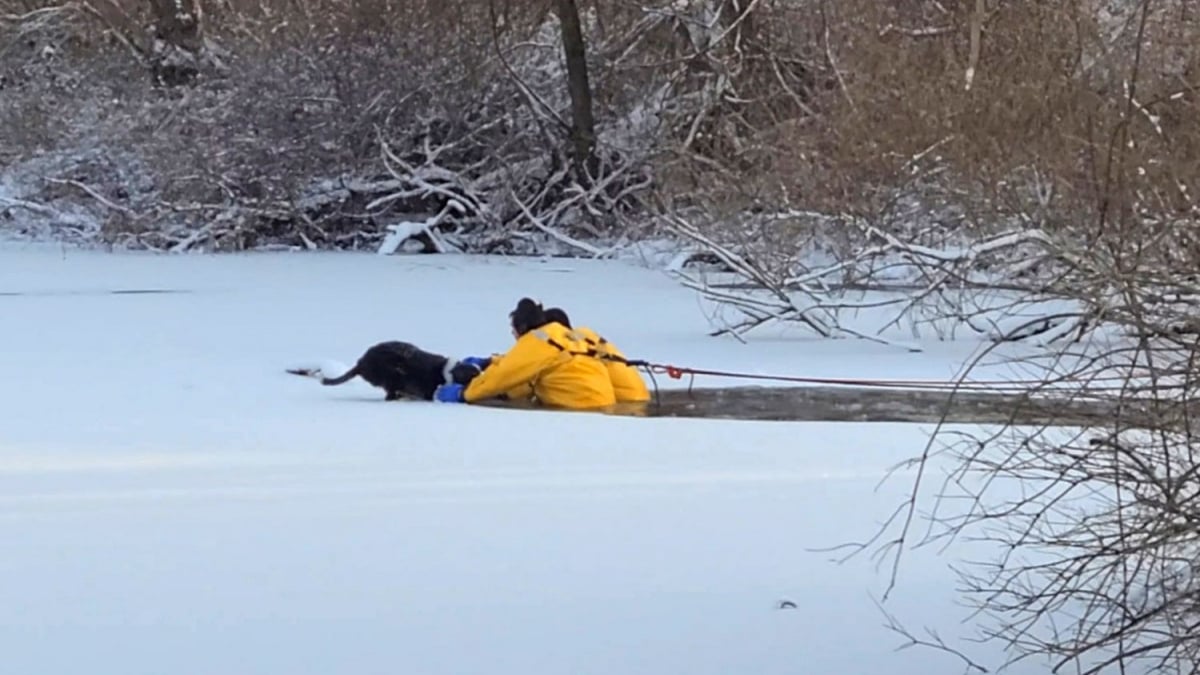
column 852, row 404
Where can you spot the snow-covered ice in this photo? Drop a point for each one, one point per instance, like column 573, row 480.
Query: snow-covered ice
column 172, row 502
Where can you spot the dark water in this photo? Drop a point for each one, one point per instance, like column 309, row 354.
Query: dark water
column 848, row 404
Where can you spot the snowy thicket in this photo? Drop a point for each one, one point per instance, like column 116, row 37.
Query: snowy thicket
column 795, row 133
column 826, row 145
column 445, row 124
column 1026, row 170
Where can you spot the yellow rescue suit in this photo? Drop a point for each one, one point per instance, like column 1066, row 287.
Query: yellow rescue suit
column 554, row 363
column 627, row 383
column 522, row 392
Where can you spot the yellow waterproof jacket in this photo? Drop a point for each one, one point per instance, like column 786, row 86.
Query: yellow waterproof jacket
column 554, row 363
column 523, row 391
column 627, row 383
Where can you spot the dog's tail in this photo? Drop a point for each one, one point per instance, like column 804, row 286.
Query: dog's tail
column 340, row 379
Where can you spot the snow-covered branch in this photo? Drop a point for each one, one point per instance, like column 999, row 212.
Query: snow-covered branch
column 917, row 283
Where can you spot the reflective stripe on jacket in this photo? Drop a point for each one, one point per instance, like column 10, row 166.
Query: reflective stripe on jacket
column 627, row 382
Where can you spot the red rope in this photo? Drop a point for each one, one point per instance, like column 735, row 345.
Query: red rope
column 677, row 372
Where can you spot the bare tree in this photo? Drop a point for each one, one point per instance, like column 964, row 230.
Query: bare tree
column 178, row 23
column 583, row 128
column 1093, row 531
column 179, row 50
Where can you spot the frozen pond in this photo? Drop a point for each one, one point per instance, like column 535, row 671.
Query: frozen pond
column 861, row 404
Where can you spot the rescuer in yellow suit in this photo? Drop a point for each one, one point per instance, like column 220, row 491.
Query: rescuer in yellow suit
column 549, row 362
column 627, row 383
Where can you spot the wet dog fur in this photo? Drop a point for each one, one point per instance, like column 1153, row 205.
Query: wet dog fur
column 402, row 370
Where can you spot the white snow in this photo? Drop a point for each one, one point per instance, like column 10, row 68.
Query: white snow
column 399, row 234
column 172, row 502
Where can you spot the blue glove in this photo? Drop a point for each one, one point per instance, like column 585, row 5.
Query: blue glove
column 449, row 393
column 479, row 362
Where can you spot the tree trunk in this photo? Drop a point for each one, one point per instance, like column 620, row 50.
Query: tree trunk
column 179, row 40
column 583, row 128
column 177, row 23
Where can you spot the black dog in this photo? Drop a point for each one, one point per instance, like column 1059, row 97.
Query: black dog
column 401, row 369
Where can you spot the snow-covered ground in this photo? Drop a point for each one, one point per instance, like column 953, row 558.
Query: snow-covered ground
column 172, row 502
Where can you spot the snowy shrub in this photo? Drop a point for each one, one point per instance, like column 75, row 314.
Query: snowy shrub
column 936, row 129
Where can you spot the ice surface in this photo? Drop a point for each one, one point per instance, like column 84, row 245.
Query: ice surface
column 171, row 501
